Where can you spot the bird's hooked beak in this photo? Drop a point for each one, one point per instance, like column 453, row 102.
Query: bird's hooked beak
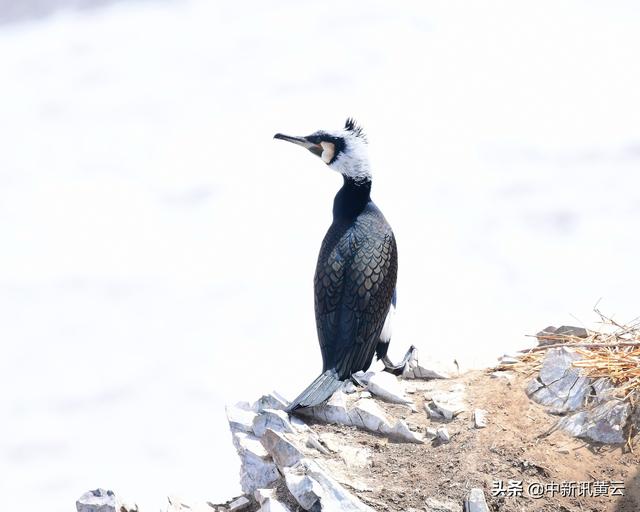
column 316, row 149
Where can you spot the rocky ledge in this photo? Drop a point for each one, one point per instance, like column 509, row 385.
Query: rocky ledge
column 433, row 440
column 289, row 463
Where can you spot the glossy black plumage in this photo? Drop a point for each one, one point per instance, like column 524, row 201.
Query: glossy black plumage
column 354, row 281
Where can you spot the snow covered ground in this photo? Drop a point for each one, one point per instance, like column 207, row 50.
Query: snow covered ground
column 157, row 246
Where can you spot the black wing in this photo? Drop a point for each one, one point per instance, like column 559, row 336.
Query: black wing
column 354, row 282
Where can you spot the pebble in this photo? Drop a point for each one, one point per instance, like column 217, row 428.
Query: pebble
column 480, row 418
column 443, row 434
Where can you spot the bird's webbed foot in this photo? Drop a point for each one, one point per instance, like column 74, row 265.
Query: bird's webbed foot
column 397, row 369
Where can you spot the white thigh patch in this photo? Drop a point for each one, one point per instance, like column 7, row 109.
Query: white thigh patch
column 385, row 335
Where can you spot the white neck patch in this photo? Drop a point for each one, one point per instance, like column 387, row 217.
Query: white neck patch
column 353, row 160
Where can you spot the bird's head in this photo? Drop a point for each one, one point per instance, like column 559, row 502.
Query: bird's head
column 344, row 150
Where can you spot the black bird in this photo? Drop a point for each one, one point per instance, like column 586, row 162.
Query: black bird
column 355, row 277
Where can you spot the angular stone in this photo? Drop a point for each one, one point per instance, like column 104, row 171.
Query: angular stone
column 239, row 504
column 271, row 401
column 448, row 409
column 501, row 374
column 387, row 387
column 305, row 490
column 283, row 451
column 559, row 385
column 443, row 434
column 431, row 433
column 298, row 424
column 432, row 411
column 401, row 432
column 365, row 414
column 314, row 489
column 480, row 418
column 98, row 500
column 239, row 418
column 268, row 502
column 603, row 423
column 257, row 468
column 475, row 501
column 368, row 414
column 333, row 411
column 448, row 403
column 273, row 419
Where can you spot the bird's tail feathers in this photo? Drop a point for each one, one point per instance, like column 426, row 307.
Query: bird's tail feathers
column 318, row 391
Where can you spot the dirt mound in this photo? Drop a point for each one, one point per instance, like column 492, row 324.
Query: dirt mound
column 520, row 461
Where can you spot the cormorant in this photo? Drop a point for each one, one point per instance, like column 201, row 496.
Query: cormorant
column 355, row 277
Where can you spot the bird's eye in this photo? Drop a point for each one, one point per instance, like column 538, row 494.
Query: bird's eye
column 328, row 151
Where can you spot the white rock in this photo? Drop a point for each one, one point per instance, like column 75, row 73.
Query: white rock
column 475, row 501
column 365, row 394
column 98, row 500
column 257, row 468
column 271, row 401
column 480, row 418
column 314, row 489
column 334, row 411
column 284, row 451
column 248, row 443
column 431, row 433
column 500, row 374
column 448, row 410
column 401, row 432
column 449, row 403
column 306, row 491
column 368, row 414
column 443, row 434
column 263, row 494
column 239, row 504
column 298, row 424
column 273, row 419
column 365, row 414
column 240, row 419
column 432, row 411
column 314, row 442
column 273, row 505
column 387, row 387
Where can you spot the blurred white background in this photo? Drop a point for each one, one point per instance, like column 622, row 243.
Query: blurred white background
column 158, row 247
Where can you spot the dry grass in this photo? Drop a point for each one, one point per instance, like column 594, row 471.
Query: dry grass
column 612, row 352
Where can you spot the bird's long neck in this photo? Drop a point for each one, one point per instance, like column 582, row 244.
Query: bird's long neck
column 351, row 199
